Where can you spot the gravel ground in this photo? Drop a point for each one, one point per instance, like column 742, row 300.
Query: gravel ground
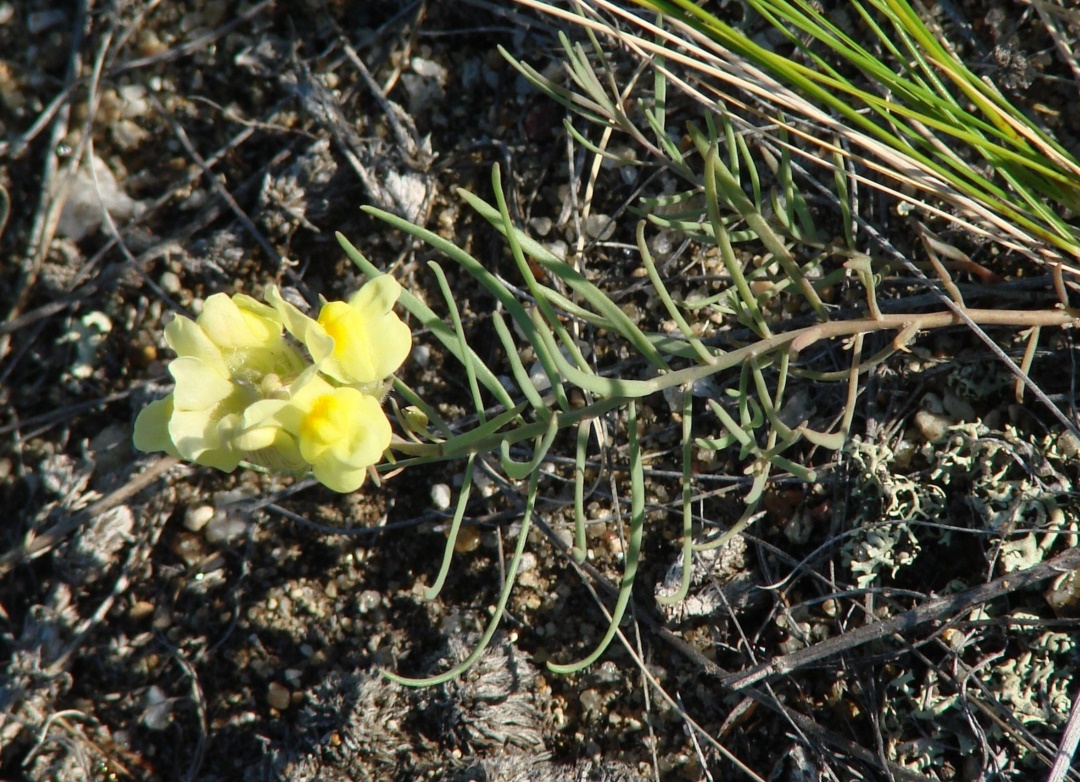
column 164, row 621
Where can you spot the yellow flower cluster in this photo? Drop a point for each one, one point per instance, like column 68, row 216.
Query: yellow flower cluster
column 245, row 391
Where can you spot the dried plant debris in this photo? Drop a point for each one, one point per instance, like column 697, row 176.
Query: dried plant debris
column 87, row 194
column 522, row 768
column 88, row 555
column 494, row 705
column 1007, row 494
column 36, row 676
column 351, row 728
column 300, row 194
column 720, row 580
column 392, row 174
column 362, row 726
column 798, row 765
column 1064, row 594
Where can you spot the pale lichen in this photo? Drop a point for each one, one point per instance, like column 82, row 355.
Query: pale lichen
column 1006, row 493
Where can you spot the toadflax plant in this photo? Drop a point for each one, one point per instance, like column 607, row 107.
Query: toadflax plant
column 266, row 384
column 246, row 392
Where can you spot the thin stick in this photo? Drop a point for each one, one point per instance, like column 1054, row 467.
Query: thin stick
column 34, row 546
column 1069, row 740
column 949, row 605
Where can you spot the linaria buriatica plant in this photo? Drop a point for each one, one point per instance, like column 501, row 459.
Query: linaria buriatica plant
column 266, row 384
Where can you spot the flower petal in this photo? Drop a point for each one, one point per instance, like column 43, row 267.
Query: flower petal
column 370, row 341
column 368, row 437
column 203, row 440
column 333, row 476
column 307, row 330
column 354, row 348
column 189, row 340
column 261, row 423
column 198, row 385
column 378, row 294
column 344, row 430
column 280, row 453
column 152, row 427
column 239, row 321
column 395, row 338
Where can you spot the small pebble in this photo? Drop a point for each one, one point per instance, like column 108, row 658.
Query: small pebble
column 932, row 426
column 565, row 536
column 134, row 100
column 141, row 610
column 799, row 527
column 198, row 517
column 528, row 562
column 156, row 714
column 539, row 378
column 222, row 528
column 1068, row 445
column 959, row 409
column 903, row 452
column 541, row 226
column 483, row 483
column 369, row 599
column 278, row 696
column 440, row 496
column 170, row 282
column 149, row 45
column 162, row 618
column 188, row 547
column 591, row 701
column 468, row 540
column 559, row 249
column 932, row 403
column 429, row 69
column 598, row 226
column 791, row 645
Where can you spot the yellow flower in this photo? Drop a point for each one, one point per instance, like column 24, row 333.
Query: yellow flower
column 244, row 392
column 234, row 354
column 248, row 335
column 339, row 431
column 360, row 342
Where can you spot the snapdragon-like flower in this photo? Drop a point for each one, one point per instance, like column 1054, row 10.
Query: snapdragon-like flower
column 245, row 391
column 360, row 342
column 339, row 430
column 228, row 358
